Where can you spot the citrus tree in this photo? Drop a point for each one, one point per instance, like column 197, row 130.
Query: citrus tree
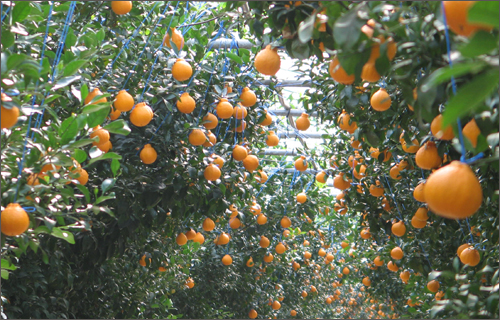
column 134, row 184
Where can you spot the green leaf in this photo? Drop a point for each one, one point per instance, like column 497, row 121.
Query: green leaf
column 347, row 29
column 70, row 38
column 64, row 82
column 300, row 50
column 470, row 96
column 90, row 108
column 5, row 274
column 234, row 57
column 84, row 190
column 481, row 43
column 100, row 35
column 62, row 234
column 306, row 28
column 73, row 67
column 104, row 198
column 7, row 38
column 6, row 264
column 118, row 127
column 485, row 12
column 68, row 129
column 84, row 91
column 115, row 165
column 109, row 155
column 15, row 60
column 80, row 143
column 96, row 118
column 79, row 155
column 444, row 74
column 107, row 184
column 21, row 11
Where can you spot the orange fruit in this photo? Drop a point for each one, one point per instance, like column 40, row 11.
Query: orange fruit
column 121, row 7
column 252, row 314
column 190, row 234
column 212, row 172
column 280, row 248
column 427, row 156
column 366, row 281
column 114, row 114
column 123, row 101
column 377, row 190
column 433, row 286
column 397, row 253
column 189, row 283
column 301, row 197
column 456, row 18
column 398, row 229
column 286, row 222
column 307, row 255
column 268, row 258
column 181, row 70
column 234, row 223
column 343, row 121
column 267, row 61
column 394, row 173
column 418, row 193
column 261, row 176
column 148, row 154
column 461, row 248
column 83, row 177
column 438, row 132
column 369, row 72
column 222, row 239
column 224, row 109
column 14, row 220
column 239, row 153
column 101, row 133
column 453, row 191
column 211, row 140
column 417, row 223
column 380, row 100
column 248, row 97
column 94, row 93
column 392, row 266
column 470, row 256
column 405, row 276
column 181, row 239
column 439, row 295
column 239, row 112
column 340, row 183
column 208, row 224
column 261, row 219
column 361, row 173
column 212, row 121
column 410, row 148
column 421, row 214
column 272, row 139
column 293, row 313
column 344, row 244
column 142, row 261
column 197, row 137
column 365, row 234
column 346, row 271
column 251, row 163
column 186, row 103
column 141, row 115
column 302, row 123
column 177, row 39
column 339, row 74
column 378, row 262
column 471, row 131
column 321, row 177
column 301, row 164
column 267, row 120
column 276, row 305
column 9, row 117
column 227, row 260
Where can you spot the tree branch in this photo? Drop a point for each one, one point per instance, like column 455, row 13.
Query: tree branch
column 201, row 22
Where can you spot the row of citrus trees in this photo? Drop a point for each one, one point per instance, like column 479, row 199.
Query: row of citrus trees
column 164, row 196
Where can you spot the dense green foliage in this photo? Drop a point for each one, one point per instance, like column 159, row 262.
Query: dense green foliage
column 80, row 256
